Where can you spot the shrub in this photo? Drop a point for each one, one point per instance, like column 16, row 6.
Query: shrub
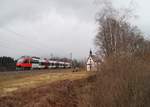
column 122, row 81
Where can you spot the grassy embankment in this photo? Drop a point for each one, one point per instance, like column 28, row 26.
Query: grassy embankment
column 12, row 81
column 45, row 89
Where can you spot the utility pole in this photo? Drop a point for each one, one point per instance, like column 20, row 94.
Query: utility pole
column 51, row 55
column 71, row 60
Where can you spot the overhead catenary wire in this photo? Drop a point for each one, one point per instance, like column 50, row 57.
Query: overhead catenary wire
column 17, row 34
column 21, row 41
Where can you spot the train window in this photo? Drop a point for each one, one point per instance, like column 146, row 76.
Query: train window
column 20, row 60
column 52, row 64
column 26, row 61
column 35, row 61
column 57, row 64
column 42, row 63
column 47, row 63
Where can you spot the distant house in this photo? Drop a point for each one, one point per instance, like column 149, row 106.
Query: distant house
column 91, row 62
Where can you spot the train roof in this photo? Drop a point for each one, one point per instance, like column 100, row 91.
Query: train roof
column 63, row 60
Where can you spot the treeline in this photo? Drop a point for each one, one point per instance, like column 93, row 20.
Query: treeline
column 7, row 63
column 78, row 64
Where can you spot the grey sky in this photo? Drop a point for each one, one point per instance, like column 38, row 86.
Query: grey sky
column 42, row 27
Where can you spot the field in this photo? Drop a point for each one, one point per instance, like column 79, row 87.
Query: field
column 46, row 88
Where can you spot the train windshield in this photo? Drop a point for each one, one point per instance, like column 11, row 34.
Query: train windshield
column 20, row 60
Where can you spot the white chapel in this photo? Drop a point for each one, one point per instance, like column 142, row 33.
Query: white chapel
column 91, row 62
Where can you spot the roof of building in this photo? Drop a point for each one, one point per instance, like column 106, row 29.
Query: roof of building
column 94, row 57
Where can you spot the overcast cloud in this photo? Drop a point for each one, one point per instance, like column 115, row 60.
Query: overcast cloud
column 58, row 27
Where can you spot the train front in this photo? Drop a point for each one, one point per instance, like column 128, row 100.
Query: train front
column 23, row 63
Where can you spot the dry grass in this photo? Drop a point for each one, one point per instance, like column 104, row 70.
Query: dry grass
column 122, row 82
column 64, row 93
column 59, row 94
column 10, row 82
column 84, row 89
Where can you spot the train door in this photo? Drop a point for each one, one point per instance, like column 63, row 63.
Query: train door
column 35, row 64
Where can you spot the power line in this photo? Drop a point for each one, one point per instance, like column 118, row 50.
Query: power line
column 17, row 34
column 24, row 40
column 20, row 35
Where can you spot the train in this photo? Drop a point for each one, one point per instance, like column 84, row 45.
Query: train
column 30, row 63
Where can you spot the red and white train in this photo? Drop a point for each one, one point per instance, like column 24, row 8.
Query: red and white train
column 40, row 63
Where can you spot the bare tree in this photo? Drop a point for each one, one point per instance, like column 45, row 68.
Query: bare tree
column 122, row 80
column 115, row 34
